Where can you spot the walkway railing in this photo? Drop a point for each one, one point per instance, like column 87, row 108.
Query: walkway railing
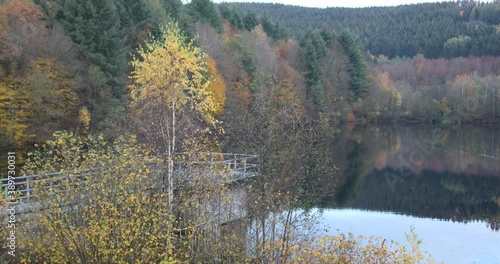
column 25, row 184
column 236, row 166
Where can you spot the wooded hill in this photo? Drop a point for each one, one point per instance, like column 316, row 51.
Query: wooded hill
column 446, row 29
column 128, row 81
column 67, row 65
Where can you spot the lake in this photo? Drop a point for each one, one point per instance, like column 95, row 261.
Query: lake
column 443, row 181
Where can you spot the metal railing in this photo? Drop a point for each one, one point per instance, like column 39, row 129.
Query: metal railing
column 25, row 184
column 236, row 166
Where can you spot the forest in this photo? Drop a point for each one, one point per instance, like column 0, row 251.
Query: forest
column 127, row 81
column 59, row 72
column 446, row 29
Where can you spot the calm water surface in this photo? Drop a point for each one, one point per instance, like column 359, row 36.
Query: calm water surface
column 445, row 182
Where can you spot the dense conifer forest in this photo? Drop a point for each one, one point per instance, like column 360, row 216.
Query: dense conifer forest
column 446, row 29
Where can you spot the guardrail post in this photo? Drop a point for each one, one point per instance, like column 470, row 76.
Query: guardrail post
column 68, row 184
column 211, row 173
column 188, row 166
column 244, row 168
column 28, row 189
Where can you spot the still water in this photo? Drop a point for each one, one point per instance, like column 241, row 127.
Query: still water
column 443, row 181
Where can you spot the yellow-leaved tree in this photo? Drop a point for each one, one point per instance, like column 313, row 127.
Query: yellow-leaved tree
column 38, row 102
column 217, row 87
column 169, row 93
column 13, row 125
column 52, row 100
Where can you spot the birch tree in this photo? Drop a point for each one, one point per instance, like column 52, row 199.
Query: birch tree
column 170, row 89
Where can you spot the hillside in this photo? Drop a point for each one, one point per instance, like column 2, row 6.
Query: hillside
column 132, row 93
column 61, row 73
column 447, row 29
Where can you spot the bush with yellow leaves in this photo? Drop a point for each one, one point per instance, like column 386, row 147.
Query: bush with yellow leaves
column 348, row 249
column 102, row 207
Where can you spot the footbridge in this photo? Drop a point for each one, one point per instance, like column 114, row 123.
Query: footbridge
column 218, row 167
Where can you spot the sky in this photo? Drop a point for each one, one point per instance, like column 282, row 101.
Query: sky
column 333, row 3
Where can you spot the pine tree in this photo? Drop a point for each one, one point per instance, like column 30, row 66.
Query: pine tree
column 357, row 65
column 279, row 32
column 95, row 27
column 250, row 20
column 173, row 8
column 134, row 15
column 204, row 11
column 312, row 55
column 267, row 25
column 236, row 18
column 274, row 30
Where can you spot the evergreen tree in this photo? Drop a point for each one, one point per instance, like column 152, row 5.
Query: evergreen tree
column 173, row 8
column 357, row 65
column 95, row 27
column 490, row 13
column 395, row 31
column 236, row 18
column 132, row 13
column 250, row 20
column 272, row 29
column 224, row 10
column 319, row 44
column 204, row 11
column 311, row 55
column 267, row 25
column 279, row 32
column 327, row 35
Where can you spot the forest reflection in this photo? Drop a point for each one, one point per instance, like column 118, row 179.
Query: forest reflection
column 447, row 173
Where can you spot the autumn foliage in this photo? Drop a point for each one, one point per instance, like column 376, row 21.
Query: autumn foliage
column 118, row 218
column 63, row 68
column 38, row 94
column 217, row 85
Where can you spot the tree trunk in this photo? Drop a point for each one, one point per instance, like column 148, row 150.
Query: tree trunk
column 392, row 100
column 171, row 156
column 12, row 122
column 493, row 100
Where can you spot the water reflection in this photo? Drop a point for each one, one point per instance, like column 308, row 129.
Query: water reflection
column 412, row 174
column 424, row 171
column 454, row 243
